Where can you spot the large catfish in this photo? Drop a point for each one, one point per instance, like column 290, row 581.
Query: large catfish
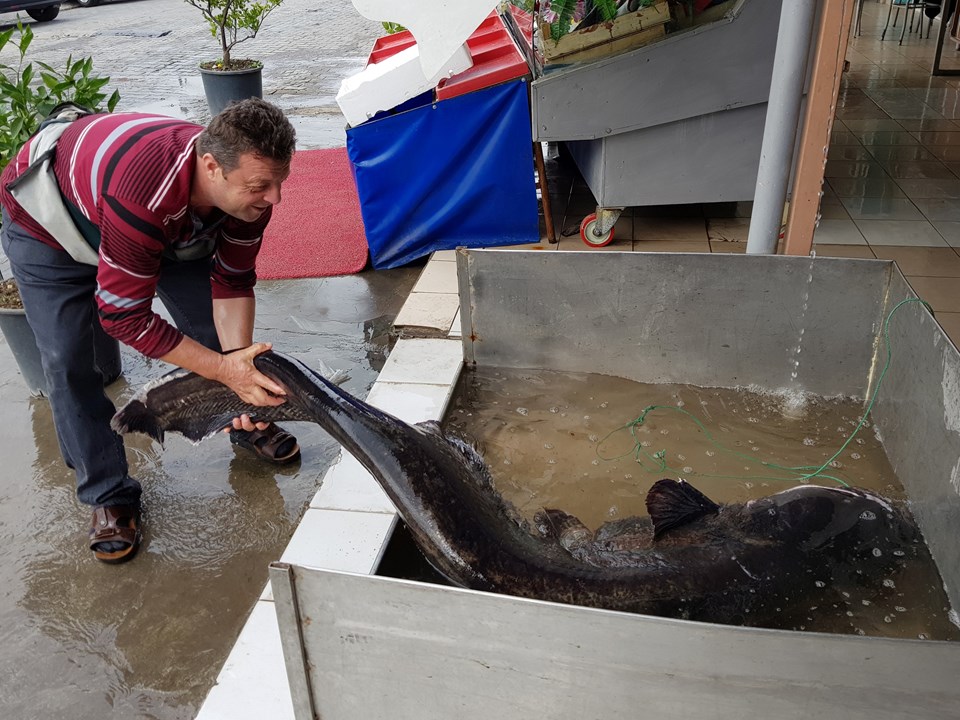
column 735, row 563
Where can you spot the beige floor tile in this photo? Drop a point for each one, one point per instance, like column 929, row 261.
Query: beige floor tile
column 885, row 137
column 939, row 137
column 911, row 233
column 950, row 232
column 875, row 124
column 855, row 169
column 843, row 137
column 838, row 232
column 947, row 153
column 729, row 229
column 923, row 261
column 676, row 229
column 939, row 209
column 931, row 188
column 843, row 251
column 864, row 187
column 670, row 246
column 849, row 152
column 917, row 169
column 916, row 125
column 833, row 210
column 542, row 245
column 720, row 246
column 885, row 154
column 943, row 294
column 882, row 208
column 574, row 243
column 950, row 322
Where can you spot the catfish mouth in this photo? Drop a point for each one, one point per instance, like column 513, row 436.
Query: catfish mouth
column 847, row 521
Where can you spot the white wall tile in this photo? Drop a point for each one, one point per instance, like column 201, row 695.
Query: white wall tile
column 348, row 486
column 340, row 540
column 434, row 361
column 252, row 684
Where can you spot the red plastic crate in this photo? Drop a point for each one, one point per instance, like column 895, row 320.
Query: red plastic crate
column 496, row 58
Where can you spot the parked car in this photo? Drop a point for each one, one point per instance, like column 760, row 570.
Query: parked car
column 39, row 10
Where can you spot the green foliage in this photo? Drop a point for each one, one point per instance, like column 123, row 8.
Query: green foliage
column 390, row 27
column 233, row 21
column 30, row 90
column 606, row 9
column 564, row 11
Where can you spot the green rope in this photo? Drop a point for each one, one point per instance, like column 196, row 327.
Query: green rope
column 799, row 473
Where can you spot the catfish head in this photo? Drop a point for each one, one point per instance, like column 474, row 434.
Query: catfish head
column 855, row 527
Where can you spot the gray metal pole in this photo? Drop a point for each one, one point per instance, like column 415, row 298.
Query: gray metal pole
column 780, row 128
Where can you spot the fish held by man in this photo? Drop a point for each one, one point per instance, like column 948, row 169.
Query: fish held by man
column 692, row 559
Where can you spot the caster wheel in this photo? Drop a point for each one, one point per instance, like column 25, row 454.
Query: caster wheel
column 588, row 234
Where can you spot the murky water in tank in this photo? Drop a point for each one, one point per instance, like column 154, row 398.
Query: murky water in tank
column 566, row 440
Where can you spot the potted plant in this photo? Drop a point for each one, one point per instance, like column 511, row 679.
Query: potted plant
column 29, row 91
column 232, row 22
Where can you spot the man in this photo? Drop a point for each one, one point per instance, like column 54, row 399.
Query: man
column 154, row 205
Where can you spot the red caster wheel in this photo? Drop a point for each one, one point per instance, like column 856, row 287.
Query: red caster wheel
column 588, row 232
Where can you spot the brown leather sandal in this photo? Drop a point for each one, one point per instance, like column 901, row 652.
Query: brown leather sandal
column 273, row 444
column 115, row 524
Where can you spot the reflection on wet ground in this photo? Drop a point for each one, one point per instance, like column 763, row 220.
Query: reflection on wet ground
column 79, row 639
column 565, row 440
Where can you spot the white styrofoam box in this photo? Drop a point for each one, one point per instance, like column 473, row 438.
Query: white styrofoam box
column 392, row 81
column 439, row 27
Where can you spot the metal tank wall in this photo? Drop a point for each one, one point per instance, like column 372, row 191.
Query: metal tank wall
column 377, row 647
column 677, row 121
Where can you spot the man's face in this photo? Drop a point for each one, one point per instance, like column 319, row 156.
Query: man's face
column 247, row 190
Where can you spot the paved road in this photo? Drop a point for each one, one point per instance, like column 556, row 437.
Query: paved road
column 151, row 50
column 146, row 640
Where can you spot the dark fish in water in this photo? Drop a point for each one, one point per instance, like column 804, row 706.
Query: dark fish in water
column 694, row 559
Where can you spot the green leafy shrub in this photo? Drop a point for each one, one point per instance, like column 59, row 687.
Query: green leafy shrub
column 30, row 90
column 232, row 22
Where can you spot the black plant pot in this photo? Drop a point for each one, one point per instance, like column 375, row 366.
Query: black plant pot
column 224, row 86
column 23, row 345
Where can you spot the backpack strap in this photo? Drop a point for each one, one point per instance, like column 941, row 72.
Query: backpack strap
column 37, row 191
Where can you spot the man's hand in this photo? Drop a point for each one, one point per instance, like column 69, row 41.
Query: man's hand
column 245, row 423
column 238, row 373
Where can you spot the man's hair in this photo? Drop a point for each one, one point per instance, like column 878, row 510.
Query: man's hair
column 249, row 126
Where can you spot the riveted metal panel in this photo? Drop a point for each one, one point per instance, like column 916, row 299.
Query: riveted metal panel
column 724, row 320
column 722, row 65
column 387, row 649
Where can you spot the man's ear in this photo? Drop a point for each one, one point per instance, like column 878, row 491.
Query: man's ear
column 210, row 165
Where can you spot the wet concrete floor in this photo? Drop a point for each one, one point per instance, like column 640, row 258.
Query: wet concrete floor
column 79, row 639
column 146, row 640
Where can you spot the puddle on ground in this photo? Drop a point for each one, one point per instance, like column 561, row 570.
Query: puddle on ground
column 565, row 440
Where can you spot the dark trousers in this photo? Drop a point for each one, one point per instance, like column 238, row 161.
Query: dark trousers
column 58, row 297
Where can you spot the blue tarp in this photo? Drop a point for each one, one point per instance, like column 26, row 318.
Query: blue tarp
column 458, row 172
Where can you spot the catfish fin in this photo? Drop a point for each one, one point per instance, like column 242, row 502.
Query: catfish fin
column 135, row 417
column 470, row 453
column 573, row 536
column 674, row 504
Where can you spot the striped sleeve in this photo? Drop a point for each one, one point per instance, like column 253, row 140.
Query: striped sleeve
column 235, row 260
column 131, row 250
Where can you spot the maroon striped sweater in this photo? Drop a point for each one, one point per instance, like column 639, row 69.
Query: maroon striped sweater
column 130, row 175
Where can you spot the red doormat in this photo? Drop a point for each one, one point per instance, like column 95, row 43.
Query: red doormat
column 316, row 230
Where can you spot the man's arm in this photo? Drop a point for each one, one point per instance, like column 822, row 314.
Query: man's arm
column 235, row 370
column 234, row 318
